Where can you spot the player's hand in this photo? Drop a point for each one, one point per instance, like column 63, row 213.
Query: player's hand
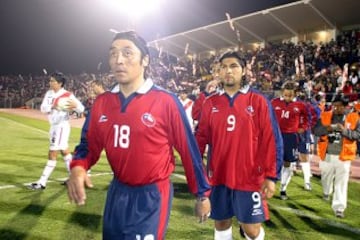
column 268, row 188
column 202, row 208
column 301, row 130
column 76, row 185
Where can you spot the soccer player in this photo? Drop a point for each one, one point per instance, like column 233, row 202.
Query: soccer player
column 199, row 101
column 245, row 151
column 292, row 117
column 138, row 127
column 59, row 125
column 306, row 139
column 337, row 148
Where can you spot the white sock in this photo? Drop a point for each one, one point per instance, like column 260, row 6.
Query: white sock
column 48, row 169
column 261, row 235
column 67, row 160
column 286, row 173
column 223, row 235
column 305, row 166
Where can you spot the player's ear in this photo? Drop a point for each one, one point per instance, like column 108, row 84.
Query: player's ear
column 145, row 61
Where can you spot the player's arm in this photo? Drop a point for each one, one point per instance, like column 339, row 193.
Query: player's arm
column 45, row 106
column 202, row 132
column 270, row 143
column 87, row 154
column 185, row 143
column 304, row 114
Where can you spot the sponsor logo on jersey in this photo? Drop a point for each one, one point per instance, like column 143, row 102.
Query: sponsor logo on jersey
column 277, row 108
column 250, row 110
column 103, row 118
column 148, row 120
column 214, row 109
column 257, row 211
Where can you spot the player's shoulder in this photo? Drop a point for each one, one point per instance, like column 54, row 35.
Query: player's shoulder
column 106, row 97
column 257, row 94
column 276, row 100
column 163, row 94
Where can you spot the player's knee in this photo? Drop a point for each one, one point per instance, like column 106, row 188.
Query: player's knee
column 252, row 230
column 287, row 164
column 223, row 224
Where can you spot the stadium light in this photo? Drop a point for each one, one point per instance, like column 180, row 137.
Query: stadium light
column 135, row 9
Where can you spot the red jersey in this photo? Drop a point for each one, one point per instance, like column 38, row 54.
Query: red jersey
column 290, row 116
column 138, row 134
column 245, row 144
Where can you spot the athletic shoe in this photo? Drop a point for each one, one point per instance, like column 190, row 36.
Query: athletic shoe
column 64, row 183
column 326, row 197
column 283, row 195
column 339, row 214
column 308, row 187
column 36, row 186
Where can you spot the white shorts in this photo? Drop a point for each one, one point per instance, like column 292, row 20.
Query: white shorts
column 59, row 136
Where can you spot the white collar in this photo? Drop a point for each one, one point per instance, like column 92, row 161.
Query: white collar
column 147, row 85
column 242, row 90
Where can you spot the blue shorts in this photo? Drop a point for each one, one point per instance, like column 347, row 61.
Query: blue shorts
column 137, row 212
column 248, row 207
column 304, row 142
column 291, row 143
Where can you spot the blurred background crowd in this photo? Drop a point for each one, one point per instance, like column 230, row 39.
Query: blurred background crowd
column 323, row 68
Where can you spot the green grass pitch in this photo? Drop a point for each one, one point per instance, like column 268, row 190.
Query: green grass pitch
column 27, row 214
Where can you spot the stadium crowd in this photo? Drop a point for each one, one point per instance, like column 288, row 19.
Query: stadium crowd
column 325, row 67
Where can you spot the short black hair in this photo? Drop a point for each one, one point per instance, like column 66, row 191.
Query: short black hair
column 233, row 54
column 59, row 77
column 136, row 39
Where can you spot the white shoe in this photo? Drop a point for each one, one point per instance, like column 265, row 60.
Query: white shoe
column 36, row 186
column 308, row 187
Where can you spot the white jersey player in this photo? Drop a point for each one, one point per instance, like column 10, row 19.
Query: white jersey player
column 187, row 103
column 57, row 103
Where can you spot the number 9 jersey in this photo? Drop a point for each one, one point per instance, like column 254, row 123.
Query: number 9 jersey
column 245, row 144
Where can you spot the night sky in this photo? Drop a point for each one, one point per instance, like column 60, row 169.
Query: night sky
column 73, row 36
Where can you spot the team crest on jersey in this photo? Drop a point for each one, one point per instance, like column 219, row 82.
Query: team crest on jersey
column 296, row 109
column 148, row 120
column 250, row 110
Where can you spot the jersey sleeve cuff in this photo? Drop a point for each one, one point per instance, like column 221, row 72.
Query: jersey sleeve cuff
column 204, row 194
column 272, row 179
column 79, row 162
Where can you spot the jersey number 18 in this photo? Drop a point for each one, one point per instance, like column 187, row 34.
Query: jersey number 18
column 121, row 136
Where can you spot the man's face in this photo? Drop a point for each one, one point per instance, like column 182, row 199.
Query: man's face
column 231, row 72
column 97, row 89
column 125, row 61
column 339, row 108
column 54, row 85
column 288, row 95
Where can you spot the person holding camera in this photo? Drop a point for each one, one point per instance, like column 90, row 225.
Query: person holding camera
column 338, row 133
